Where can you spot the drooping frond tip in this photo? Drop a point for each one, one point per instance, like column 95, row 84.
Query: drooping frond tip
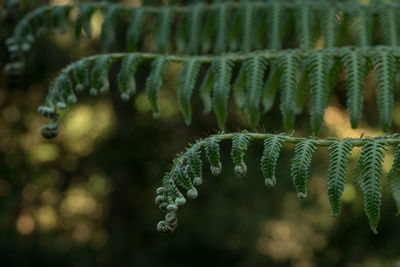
column 186, row 171
column 262, row 75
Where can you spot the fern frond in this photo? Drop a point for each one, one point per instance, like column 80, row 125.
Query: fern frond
column 289, row 65
column 99, row 75
column 83, row 21
column 302, row 90
column 194, row 27
column 338, row 160
column 107, row 32
column 205, row 91
column 135, row 29
column 384, row 69
column 126, row 76
column 390, row 25
column 222, row 69
column 239, row 147
column 363, row 25
column 80, row 72
column 255, row 68
column 304, row 25
column 319, row 64
column 276, row 22
column 394, row 179
column 221, row 24
column 300, row 164
column 163, row 29
column 186, row 83
column 195, row 164
column 373, row 154
column 154, row 82
column 272, row 148
column 330, row 19
column 271, row 87
column 211, row 147
column 170, row 199
column 357, row 67
column 239, row 87
column 246, row 18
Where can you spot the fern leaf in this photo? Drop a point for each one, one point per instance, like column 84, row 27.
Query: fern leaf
column 271, row 87
column 275, row 22
column 384, row 67
column 329, row 20
column 107, row 31
column 246, row 18
column 80, row 72
column 302, row 90
column 338, row 160
column 221, row 24
column 135, row 29
column 212, row 149
column 195, row 163
column 363, row 25
column 319, row 64
column 60, row 18
column 180, row 35
column 239, row 148
column 394, row 179
column 222, row 69
column 255, row 68
column 356, row 66
column 373, row 154
column 289, row 63
column 163, row 29
column 305, row 25
column 239, row 87
column 64, row 87
column 182, row 178
column 300, row 164
column 272, row 148
column 154, row 82
column 99, row 75
column 83, row 21
column 390, row 25
column 187, row 81
column 207, row 33
column 194, row 26
column 205, row 91
column 126, row 76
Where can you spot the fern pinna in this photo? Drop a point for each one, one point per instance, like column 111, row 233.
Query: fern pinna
column 185, row 171
column 262, row 75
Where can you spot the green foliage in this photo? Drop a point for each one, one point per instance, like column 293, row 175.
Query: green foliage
column 394, row 179
column 370, row 167
column 126, row 76
column 338, row 160
column 154, row 82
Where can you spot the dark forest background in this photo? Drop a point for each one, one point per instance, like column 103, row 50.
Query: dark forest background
column 86, row 198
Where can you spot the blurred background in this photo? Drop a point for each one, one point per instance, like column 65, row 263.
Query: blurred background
column 86, row 198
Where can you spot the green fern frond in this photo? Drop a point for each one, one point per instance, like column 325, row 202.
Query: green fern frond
column 163, row 29
column 205, row 91
column 255, row 68
column 272, row 148
column 169, row 199
column 211, row 147
column 371, row 165
column 154, row 82
column 384, row 69
column 276, row 22
column 239, row 147
column 389, row 20
column 83, row 21
column 107, row 32
column 222, row 69
column 304, row 25
column 319, row 64
column 239, row 87
column 195, row 164
column 126, row 76
column 394, row 179
column 99, row 75
column 338, row 160
column 357, row 67
column 362, row 24
column 134, row 30
column 80, row 72
column 194, row 28
column 247, row 26
column 186, row 83
column 221, row 24
column 271, row 87
column 289, row 65
column 300, row 164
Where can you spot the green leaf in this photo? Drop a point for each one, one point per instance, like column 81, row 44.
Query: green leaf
column 126, row 76
column 272, row 148
column 239, row 148
column 154, row 82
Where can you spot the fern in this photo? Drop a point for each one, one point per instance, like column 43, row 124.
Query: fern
column 163, row 29
column 154, row 82
column 394, row 179
column 304, row 25
column 186, row 83
column 300, row 165
column 389, row 19
column 99, row 75
column 370, row 167
column 339, row 158
column 384, row 66
column 126, row 78
column 239, row 147
column 357, row 69
column 107, row 31
column 362, row 25
column 272, row 147
column 135, row 29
